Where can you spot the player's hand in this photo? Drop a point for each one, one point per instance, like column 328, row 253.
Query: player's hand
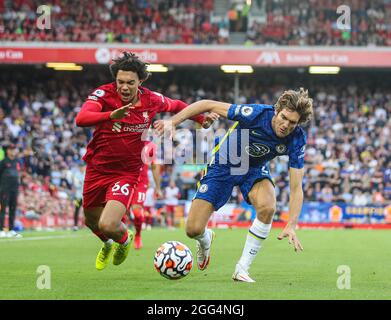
column 122, row 112
column 290, row 233
column 164, row 127
column 158, row 194
column 210, row 118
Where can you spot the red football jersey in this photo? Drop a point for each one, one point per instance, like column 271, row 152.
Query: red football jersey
column 116, row 145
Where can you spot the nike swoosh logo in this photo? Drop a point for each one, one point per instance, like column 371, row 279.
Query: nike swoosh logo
column 256, row 133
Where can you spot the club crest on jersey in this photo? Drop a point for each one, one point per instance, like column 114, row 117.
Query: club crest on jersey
column 99, row 93
column 246, row 111
column 146, row 116
column 203, row 188
column 116, row 127
column 281, row 148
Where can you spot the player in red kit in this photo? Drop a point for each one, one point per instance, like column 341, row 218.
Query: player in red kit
column 120, row 112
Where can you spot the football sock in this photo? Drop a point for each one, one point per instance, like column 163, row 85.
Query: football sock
column 149, row 220
column 205, row 238
column 138, row 220
column 124, row 240
column 258, row 232
column 109, row 242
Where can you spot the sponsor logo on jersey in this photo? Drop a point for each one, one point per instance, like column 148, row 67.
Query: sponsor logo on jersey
column 257, row 150
column 99, row 93
column 203, row 188
column 125, row 127
column 281, row 148
column 116, row 127
column 247, row 111
column 93, row 98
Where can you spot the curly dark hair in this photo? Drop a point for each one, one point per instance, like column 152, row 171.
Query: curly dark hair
column 130, row 62
column 298, row 101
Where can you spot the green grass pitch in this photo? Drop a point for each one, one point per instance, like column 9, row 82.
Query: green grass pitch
column 279, row 271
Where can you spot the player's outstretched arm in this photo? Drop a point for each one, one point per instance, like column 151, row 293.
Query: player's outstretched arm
column 91, row 114
column 176, row 106
column 196, row 108
column 295, row 204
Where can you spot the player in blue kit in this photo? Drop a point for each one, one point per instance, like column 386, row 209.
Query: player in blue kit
column 260, row 133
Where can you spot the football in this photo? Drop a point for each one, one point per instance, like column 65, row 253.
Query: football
column 173, row 260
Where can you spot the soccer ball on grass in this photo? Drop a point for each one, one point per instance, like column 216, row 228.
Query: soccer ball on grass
column 173, row 260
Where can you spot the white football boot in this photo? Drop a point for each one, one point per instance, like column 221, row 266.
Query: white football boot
column 241, row 274
column 203, row 255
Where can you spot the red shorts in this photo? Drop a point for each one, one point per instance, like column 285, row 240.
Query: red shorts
column 170, row 208
column 139, row 194
column 100, row 188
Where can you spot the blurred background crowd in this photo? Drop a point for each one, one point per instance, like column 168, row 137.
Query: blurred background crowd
column 282, row 22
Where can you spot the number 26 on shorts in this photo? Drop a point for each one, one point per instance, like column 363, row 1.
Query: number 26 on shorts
column 124, row 189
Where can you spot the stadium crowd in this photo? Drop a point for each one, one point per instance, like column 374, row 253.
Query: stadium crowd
column 348, row 154
column 293, row 22
column 134, row 21
column 309, row 22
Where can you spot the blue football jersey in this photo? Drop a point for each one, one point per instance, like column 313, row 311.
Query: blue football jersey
column 252, row 139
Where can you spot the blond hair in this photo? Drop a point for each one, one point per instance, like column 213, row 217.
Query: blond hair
column 296, row 101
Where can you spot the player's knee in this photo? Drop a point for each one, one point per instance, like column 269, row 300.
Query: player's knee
column 265, row 212
column 193, row 231
column 108, row 227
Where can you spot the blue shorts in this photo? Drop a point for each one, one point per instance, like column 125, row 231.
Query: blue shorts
column 216, row 186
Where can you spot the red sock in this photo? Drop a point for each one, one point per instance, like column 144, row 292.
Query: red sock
column 101, row 236
column 124, row 219
column 138, row 223
column 149, row 220
column 124, row 238
column 138, row 220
